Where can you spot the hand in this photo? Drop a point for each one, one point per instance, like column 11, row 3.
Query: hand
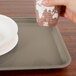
column 70, row 12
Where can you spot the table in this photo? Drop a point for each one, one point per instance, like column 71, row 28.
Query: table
column 25, row 8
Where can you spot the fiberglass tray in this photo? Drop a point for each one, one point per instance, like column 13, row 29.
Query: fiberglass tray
column 38, row 48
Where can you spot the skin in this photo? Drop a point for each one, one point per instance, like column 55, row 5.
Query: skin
column 70, row 12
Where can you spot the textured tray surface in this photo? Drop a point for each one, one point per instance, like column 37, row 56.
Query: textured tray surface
column 38, row 48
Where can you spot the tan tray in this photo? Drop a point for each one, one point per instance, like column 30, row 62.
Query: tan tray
column 38, row 48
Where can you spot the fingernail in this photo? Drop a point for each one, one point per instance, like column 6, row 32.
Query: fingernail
column 45, row 2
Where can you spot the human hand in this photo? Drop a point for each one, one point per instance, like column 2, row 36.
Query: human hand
column 70, row 12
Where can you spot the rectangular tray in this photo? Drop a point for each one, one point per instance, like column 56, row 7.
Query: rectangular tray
column 38, row 48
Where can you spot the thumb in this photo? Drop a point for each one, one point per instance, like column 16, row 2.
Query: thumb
column 54, row 2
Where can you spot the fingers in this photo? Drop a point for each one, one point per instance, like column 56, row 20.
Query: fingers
column 54, row 2
column 70, row 15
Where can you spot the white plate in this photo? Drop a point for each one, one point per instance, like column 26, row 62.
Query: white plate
column 8, row 29
column 9, row 45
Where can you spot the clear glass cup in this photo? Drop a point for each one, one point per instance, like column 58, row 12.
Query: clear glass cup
column 46, row 16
